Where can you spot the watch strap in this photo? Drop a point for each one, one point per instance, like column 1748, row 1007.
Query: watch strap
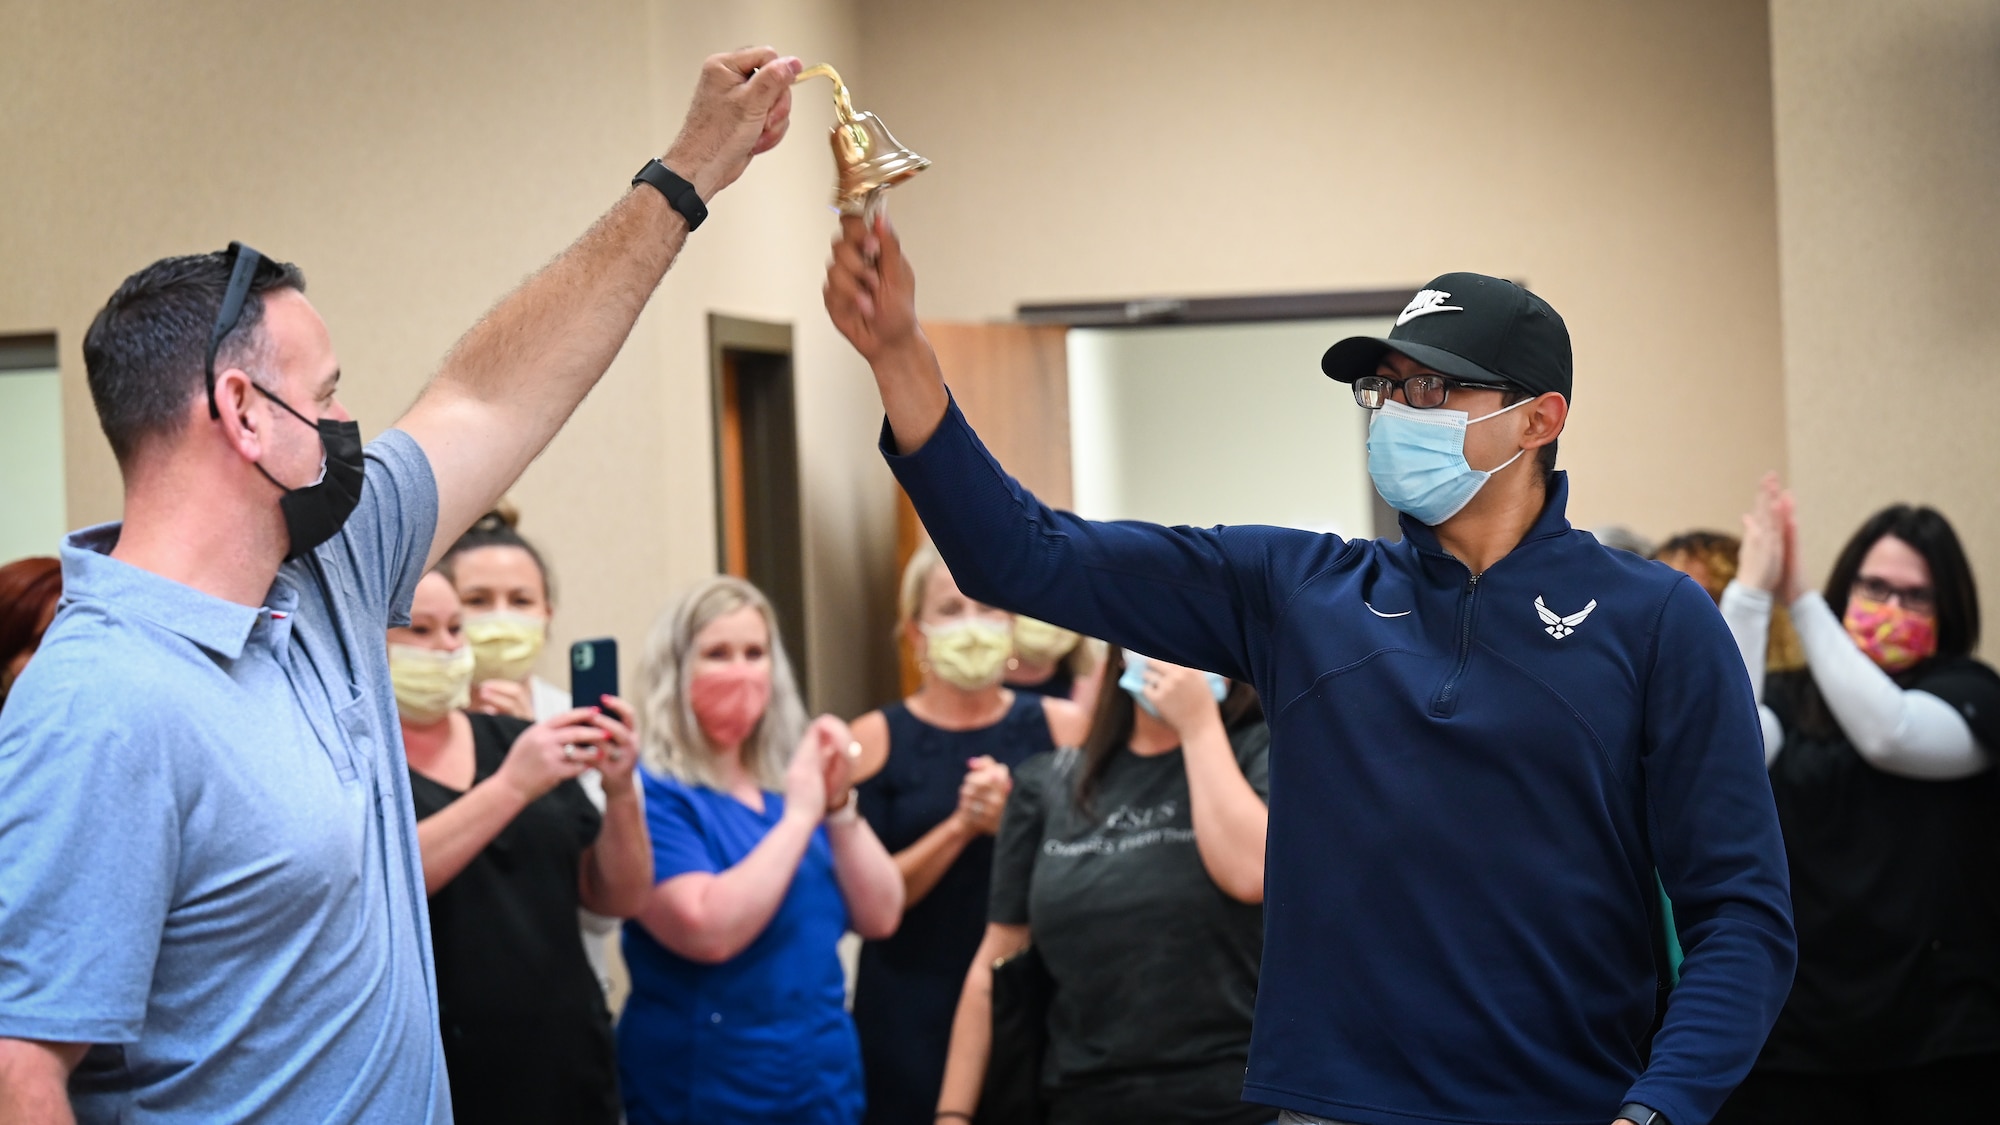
column 1643, row 1114
column 680, row 194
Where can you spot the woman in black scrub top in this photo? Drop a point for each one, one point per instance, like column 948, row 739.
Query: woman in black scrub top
column 511, row 847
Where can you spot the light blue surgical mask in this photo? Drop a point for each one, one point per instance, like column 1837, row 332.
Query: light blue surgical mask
column 1134, row 683
column 1417, row 460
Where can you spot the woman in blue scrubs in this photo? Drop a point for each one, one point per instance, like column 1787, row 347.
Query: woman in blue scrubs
column 737, row 1009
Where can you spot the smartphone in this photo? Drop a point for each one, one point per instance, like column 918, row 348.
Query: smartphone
column 593, row 671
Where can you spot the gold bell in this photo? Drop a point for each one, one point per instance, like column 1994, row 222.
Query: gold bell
column 867, row 158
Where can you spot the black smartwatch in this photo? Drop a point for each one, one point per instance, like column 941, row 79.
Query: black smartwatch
column 680, row 194
column 1644, row 1115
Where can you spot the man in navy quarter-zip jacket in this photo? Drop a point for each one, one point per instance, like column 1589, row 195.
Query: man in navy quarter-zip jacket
column 1485, row 739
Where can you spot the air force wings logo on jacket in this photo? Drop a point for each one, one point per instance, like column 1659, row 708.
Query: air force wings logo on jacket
column 1558, row 625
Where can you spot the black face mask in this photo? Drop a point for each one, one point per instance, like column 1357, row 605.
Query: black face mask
column 315, row 512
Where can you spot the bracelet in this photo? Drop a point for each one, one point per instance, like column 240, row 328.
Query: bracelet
column 848, row 812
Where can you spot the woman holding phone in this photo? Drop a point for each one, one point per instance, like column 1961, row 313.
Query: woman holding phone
column 511, row 848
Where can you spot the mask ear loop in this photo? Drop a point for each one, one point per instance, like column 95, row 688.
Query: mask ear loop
column 1497, row 413
column 240, row 275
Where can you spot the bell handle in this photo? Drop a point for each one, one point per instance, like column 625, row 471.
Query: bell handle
column 841, row 103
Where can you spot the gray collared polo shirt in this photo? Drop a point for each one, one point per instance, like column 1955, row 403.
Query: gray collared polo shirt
column 208, row 851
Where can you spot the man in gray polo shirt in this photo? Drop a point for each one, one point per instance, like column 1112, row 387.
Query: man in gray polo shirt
column 211, row 900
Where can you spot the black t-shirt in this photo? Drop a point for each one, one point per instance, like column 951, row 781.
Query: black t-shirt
column 1895, row 890
column 527, row 1037
column 1155, row 967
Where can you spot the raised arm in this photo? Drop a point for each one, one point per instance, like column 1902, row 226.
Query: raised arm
column 1230, row 817
column 1203, row 598
column 871, row 293
column 1904, row 732
column 514, row 379
column 1747, row 612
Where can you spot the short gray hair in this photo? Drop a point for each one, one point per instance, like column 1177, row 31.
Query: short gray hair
column 672, row 742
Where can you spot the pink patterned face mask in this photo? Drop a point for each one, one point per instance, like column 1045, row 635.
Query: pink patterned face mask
column 1893, row 637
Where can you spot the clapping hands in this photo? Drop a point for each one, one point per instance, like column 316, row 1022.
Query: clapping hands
column 1769, row 558
column 982, row 796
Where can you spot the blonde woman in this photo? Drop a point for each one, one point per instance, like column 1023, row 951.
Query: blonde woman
column 937, row 773
column 737, row 1007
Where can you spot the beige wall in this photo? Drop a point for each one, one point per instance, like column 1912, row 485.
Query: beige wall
column 418, row 160
column 1617, row 157
column 1888, row 157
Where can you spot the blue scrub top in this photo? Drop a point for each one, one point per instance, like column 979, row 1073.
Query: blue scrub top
column 764, row 1036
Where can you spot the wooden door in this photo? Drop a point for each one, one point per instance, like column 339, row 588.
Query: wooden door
column 1012, row 382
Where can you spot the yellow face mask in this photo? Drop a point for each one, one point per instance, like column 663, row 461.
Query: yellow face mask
column 969, row 654
column 430, row 684
column 504, row 645
column 1039, row 642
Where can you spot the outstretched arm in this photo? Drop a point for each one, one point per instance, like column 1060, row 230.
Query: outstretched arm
column 515, row 378
column 871, row 293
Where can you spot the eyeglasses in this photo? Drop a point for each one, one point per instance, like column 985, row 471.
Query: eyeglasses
column 240, row 275
column 1424, row 391
column 1916, row 599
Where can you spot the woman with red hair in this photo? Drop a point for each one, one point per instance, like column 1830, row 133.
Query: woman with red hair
column 29, row 589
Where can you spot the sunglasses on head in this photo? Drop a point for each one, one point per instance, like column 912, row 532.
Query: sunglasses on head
column 241, row 273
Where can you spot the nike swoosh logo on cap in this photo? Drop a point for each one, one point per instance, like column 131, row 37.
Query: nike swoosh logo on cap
column 1425, row 303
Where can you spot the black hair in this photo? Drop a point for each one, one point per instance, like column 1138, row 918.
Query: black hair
column 496, row 529
column 1930, row 535
column 1955, row 594
column 1112, row 721
column 1545, row 457
column 146, row 352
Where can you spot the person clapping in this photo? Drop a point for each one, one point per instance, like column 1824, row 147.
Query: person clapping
column 1880, row 755
column 737, row 1010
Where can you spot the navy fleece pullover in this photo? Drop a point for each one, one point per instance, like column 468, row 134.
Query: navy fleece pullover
column 1473, row 780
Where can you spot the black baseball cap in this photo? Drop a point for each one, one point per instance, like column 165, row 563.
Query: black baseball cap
column 1474, row 327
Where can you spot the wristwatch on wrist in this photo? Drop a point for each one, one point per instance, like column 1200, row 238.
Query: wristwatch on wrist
column 680, row 194
column 1644, row 1115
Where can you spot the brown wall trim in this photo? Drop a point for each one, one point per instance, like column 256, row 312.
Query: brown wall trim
column 34, row 351
column 1220, row 310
